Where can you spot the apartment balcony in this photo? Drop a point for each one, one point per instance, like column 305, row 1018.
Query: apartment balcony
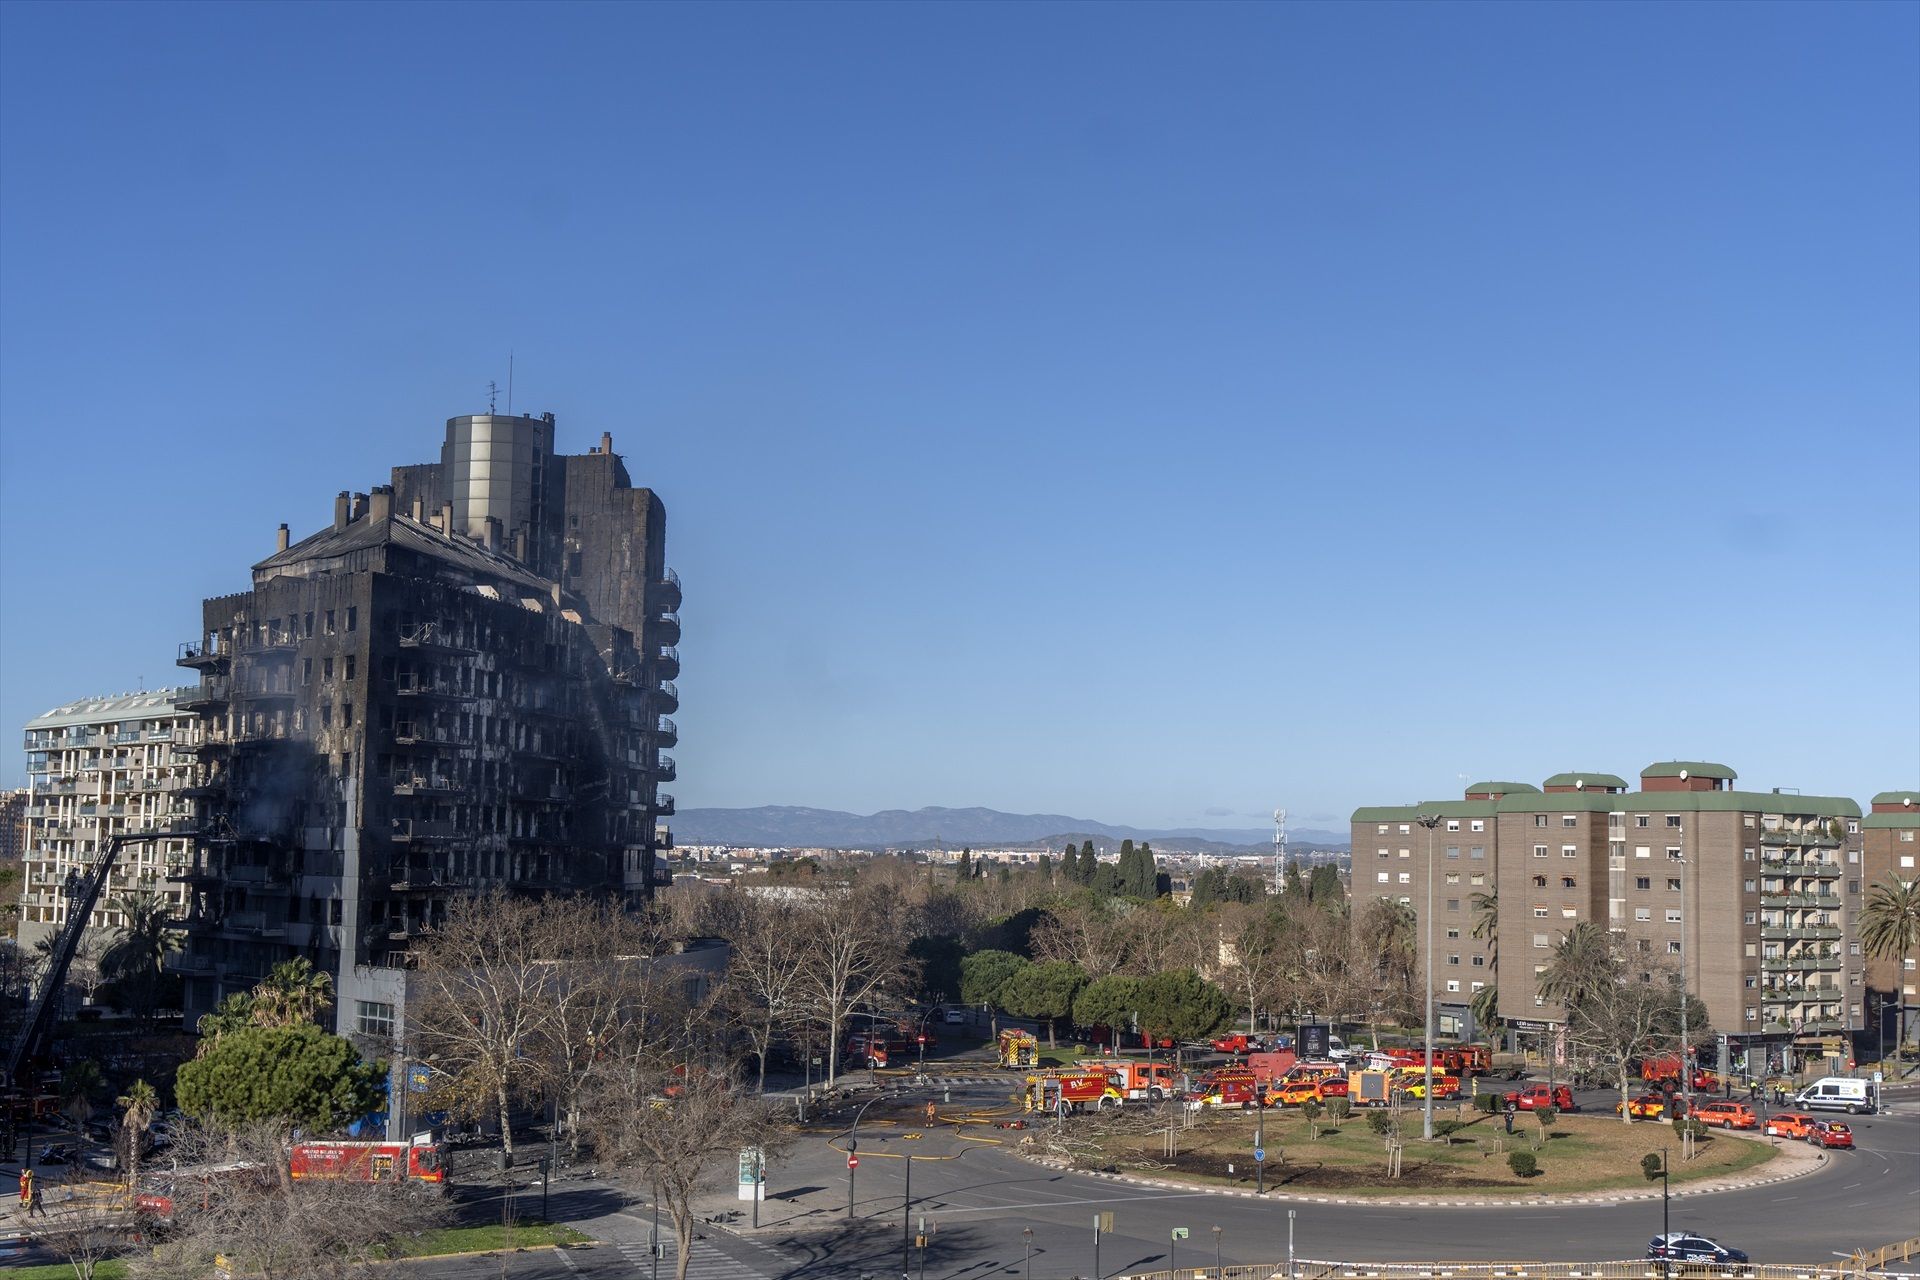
column 1798, row 996
column 663, row 838
column 665, row 770
column 662, row 875
column 1795, row 867
column 252, row 924
column 663, row 805
column 1800, row 964
column 413, row 687
column 665, row 628
column 667, row 592
column 1801, row 933
column 429, row 638
column 418, row 831
column 214, row 693
column 203, row 657
column 424, row 786
column 1800, row 901
column 666, row 696
column 667, row 662
column 1807, row 839
column 665, row 732
column 192, row 966
column 281, row 645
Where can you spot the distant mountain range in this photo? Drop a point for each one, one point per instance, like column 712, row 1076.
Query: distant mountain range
column 786, row 826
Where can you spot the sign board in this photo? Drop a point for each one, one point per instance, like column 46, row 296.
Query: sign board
column 1179, row 1233
column 853, row 1162
column 753, row 1173
column 419, row 1078
column 1103, row 1222
column 1314, row 1039
column 1259, row 1155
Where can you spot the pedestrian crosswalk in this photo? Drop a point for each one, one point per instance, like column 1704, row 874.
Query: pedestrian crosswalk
column 707, row 1261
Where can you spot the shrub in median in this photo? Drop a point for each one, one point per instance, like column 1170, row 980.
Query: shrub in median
column 1379, row 1122
column 1488, row 1103
column 1523, row 1163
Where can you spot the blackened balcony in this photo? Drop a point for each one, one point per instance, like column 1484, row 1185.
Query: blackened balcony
column 665, row 771
column 214, row 693
column 420, row 830
column 666, row 696
column 203, row 657
column 665, row 628
column 665, row 732
column 667, row 592
column 667, row 664
column 423, row 786
column 663, row 805
column 412, row 686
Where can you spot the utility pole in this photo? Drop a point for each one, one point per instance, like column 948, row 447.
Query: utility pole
column 1429, row 821
column 906, row 1217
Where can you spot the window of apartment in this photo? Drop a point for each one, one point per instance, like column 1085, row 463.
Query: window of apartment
column 1477, row 878
column 1479, row 962
column 1643, row 913
column 353, row 617
column 1385, row 853
column 1453, row 904
column 1753, row 917
column 1540, row 941
column 1383, row 829
column 1539, row 882
column 375, row 1018
column 1752, row 886
column 1566, row 882
column 1478, row 985
column 306, row 671
column 1853, row 826
column 1453, row 824
column 346, row 714
column 1746, row 855
column 1640, row 819
column 1854, row 978
column 1453, row 877
column 1673, row 822
column 1539, row 851
column 1674, row 854
column 1406, row 853
column 1406, row 902
column 309, row 621
column 1540, row 912
column 1753, row 1014
column 1645, row 944
column 1452, row 934
column 1539, row 819
column 1673, row 884
column 1853, row 948
column 1405, row 828
column 1385, row 877
column 1853, row 886
column 1478, row 824
column 1771, row 951
column 1406, row 877
column 1569, row 820
column 1642, row 851
column 326, row 668
column 1569, row 912
column 326, row 717
column 350, row 661
column 1453, row 960
column 1643, row 882
column 1906, row 859
column 1453, row 984
column 1673, row 948
column 1673, row 915
column 1478, row 851
column 1569, row 851
column 1453, row 851
column 329, row 622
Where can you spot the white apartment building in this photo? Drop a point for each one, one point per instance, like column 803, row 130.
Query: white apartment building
column 96, row 768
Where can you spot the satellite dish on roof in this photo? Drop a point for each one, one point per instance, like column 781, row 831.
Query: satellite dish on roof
column 1683, row 775
column 1579, row 784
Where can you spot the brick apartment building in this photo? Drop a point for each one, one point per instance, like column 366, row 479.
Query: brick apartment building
column 1752, row 893
column 460, row 683
column 1891, row 850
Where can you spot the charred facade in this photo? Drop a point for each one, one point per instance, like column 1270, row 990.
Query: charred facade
column 430, row 697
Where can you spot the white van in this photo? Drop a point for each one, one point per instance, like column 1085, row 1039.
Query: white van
column 1838, row 1093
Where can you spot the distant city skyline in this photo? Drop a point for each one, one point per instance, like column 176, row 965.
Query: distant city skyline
column 1157, row 415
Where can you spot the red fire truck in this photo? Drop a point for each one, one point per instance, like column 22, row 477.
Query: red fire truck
column 415, row 1161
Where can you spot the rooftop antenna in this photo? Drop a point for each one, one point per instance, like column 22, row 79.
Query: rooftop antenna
column 509, row 382
column 1279, row 849
column 493, row 392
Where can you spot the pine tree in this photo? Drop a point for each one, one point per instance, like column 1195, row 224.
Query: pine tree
column 965, row 865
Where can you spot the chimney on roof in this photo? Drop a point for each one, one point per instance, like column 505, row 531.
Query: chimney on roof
column 280, row 539
column 491, row 532
column 520, row 544
column 446, row 518
column 380, row 503
column 341, row 509
column 359, row 506
column 606, row 442
column 419, row 509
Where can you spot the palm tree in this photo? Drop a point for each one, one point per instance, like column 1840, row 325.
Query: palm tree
column 1890, row 927
column 1485, row 1006
column 137, row 1106
column 78, row 1084
column 1582, row 963
column 1486, row 923
column 292, row 995
column 136, row 958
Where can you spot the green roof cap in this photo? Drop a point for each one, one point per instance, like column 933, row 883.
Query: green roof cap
column 1501, row 788
column 1590, row 779
column 1693, row 769
column 1890, row 821
column 1438, row 808
column 1685, row 802
column 1898, row 797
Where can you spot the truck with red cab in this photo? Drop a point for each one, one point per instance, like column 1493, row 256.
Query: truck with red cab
column 1536, row 1096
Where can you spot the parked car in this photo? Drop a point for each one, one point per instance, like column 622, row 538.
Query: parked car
column 1533, row 1097
column 58, row 1153
column 1830, row 1134
column 1233, row 1042
column 1728, row 1115
column 1789, row 1124
column 954, row 1017
column 1648, row 1106
column 1679, row 1246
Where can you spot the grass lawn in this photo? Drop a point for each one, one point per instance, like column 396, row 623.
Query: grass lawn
column 111, row 1269
column 1579, row 1153
column 494, row 1236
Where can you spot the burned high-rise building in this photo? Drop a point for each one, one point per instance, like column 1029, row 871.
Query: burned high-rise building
column 460, row 683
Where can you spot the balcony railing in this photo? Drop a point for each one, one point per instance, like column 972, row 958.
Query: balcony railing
column 199, row 654
column 663, row 805
column 1824, row 901
column 1811, row 838
column 666, row 731
column 1800, row 964
column 1795, row 867
column 1803, row 933
column 408, row 830
column 665, row 770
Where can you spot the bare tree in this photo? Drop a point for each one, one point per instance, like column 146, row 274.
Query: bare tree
column 484, row 998
column 671, row 1134
column 82, row 1233
column 222, row 1199
column 598, row 960
column 1250, row 934
column 1089, row 935
column 851, row 948
column 764, row 981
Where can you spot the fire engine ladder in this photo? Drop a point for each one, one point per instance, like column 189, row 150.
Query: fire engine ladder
column 81, row 900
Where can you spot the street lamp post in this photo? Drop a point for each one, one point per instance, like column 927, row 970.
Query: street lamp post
column 1260, row 1138
column 906, row 1216
column 1429, row 821
column 1026, row 1272
column 853, row 1150
column 1218, row 1267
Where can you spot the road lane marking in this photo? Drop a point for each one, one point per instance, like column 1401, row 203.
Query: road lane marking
column 1056, row 1204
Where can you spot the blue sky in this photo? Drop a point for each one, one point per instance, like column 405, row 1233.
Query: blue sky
column 1154, row 414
